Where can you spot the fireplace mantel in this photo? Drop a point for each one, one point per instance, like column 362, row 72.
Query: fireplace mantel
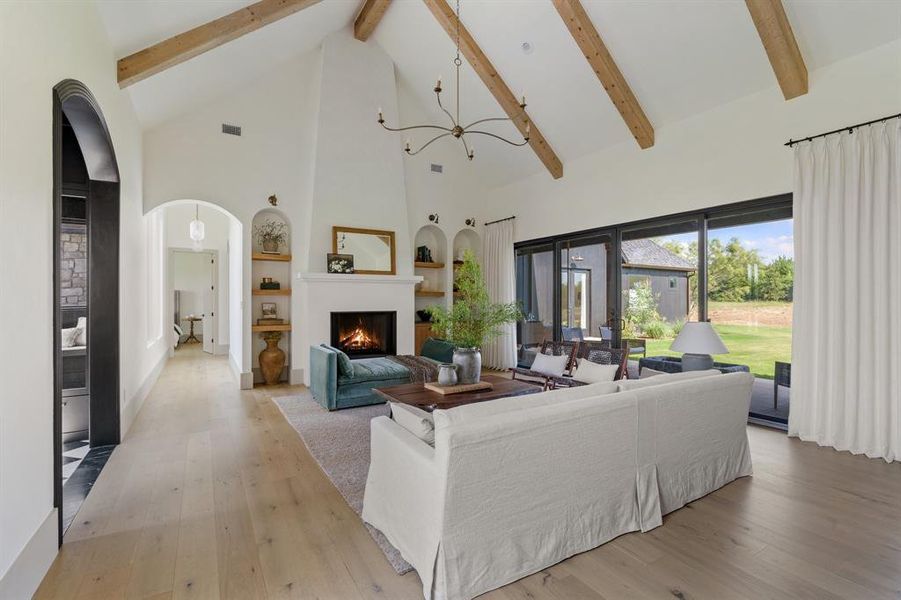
column 354, row 278
column 318, row 295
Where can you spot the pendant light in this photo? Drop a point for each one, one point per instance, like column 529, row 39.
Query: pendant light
column 197, row 230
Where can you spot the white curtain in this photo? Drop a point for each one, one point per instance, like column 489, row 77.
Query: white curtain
column 500, row 275
column 846, row 339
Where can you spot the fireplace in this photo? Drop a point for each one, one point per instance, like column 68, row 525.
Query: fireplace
column 360, row 334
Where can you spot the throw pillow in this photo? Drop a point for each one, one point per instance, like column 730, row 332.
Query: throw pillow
column 550, row 365
column 415, row 420
column 81, row 339
column 591, row 372
column 438, row 350
column 646, row 372
column 345, row 367
column 68, row 337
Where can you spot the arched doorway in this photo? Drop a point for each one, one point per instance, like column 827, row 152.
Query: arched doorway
column 85, row 190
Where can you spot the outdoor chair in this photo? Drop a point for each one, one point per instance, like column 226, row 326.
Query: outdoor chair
column 551, row 348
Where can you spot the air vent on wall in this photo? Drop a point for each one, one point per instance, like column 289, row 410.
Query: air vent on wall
column 231, row 129
column 437, row 168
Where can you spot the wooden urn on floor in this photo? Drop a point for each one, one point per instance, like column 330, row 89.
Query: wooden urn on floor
column 272, row 358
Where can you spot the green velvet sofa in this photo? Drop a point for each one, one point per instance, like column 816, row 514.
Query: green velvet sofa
column 337, row 382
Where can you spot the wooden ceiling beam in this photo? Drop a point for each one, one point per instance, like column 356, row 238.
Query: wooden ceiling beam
column 781, row 47
column 495, row 84
column 191, row 43
column 592, row 46
column 369, row 18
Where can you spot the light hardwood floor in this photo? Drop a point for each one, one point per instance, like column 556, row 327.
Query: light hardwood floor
column 213, row 495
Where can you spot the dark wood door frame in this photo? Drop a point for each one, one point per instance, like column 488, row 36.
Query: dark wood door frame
column 74, row 100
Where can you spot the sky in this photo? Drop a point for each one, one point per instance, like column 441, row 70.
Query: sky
column 771, row 240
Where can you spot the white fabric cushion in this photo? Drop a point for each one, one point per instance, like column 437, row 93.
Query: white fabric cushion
column 82, row 326
column 415, row 420
column 482, row 410
column 646, row 372
column 68, row 337
column 663, row 379
column 549, row 365
column 591, row 372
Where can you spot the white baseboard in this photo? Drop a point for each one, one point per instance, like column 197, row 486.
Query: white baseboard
column 220, row 349
column 245, row 380
column 24, row 576
column 134, row 404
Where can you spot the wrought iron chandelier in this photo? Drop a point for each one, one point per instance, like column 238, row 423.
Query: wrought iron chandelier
column 458, row 131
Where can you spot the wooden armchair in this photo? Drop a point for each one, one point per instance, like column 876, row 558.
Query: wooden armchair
column 601, row 353
column 551, row 348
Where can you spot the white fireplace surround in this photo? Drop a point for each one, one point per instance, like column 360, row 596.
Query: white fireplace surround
column 322, row 293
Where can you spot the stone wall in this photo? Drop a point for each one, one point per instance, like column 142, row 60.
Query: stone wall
column 73, row 265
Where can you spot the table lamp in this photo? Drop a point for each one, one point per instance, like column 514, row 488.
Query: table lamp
column 698, row 340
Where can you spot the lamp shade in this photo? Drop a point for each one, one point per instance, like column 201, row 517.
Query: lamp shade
column 699, row 338
column 197, row 230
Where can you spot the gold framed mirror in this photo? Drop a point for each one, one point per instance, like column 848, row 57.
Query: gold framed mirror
column 373, row 249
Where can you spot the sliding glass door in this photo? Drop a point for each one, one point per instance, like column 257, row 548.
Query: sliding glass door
column 586, row 265
column 639, row 282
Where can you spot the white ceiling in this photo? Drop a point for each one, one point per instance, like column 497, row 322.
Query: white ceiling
column 681, row 57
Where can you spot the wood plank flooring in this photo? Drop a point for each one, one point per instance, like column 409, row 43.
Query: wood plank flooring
column 213, row 495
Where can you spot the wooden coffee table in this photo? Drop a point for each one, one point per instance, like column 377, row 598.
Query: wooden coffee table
column 415, row 394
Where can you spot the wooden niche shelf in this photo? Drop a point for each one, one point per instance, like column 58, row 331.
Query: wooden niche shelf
column 271, row 257
column 264, row 328
column 429, row 294
column 428, row 265
column 281, row 292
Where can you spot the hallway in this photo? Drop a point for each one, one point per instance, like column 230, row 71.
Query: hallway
column 213, row 495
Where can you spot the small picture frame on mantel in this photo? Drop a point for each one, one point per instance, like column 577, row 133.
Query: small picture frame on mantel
column 339, row 263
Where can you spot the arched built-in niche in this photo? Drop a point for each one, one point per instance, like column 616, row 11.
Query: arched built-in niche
column 434, row 284
column 467, row 239
column 276, row 265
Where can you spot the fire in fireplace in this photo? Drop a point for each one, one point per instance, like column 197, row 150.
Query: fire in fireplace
column 365, row 333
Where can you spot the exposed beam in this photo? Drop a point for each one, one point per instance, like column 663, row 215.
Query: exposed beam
column 490, row 77
column 781, row 47
column 191, row 43
column 369, row 18
column 592, row 46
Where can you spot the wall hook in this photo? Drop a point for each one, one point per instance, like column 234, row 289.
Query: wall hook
column 273, row 200
column 471, row 221
column 434, row 218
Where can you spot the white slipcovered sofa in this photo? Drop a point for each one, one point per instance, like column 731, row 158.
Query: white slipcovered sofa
column 515, row 485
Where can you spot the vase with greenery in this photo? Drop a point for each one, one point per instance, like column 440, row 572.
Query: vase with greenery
column 472, row 320
column 270, row 235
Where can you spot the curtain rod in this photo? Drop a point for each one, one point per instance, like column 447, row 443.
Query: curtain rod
column 499, row 220
column 849, row 129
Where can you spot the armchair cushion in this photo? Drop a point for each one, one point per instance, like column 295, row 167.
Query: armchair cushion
column 552, row 366
column 415, row 420
column 591, row 372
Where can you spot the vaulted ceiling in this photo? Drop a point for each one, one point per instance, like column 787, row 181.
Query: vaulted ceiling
column 680, row 58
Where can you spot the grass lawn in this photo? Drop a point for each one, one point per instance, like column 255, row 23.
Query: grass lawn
column 756, row 346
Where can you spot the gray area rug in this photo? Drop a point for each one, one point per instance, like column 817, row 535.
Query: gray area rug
column 339, row 441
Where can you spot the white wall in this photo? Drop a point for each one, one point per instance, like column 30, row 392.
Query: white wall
column 42, row 43
column 236, row 287
column 338, row 155
column 217, row 229
column 190, row 157
column 732, row 153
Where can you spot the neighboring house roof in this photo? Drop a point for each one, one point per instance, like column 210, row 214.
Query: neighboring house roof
column 649, row 254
